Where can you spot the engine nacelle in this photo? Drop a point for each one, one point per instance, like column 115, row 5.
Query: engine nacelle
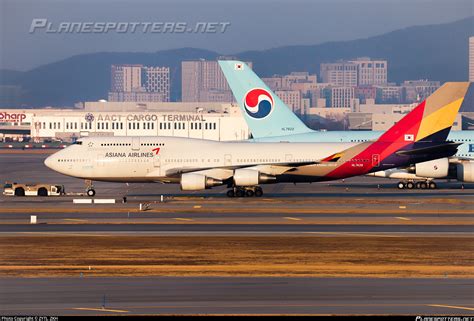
column 197, row 182
column 250, row 177
column 465, row 172
column 436, row 168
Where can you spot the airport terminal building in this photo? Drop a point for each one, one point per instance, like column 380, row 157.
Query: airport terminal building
column 215, row 121
column 203, row 120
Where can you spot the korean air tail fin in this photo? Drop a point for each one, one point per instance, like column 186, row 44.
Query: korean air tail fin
column 264, row 112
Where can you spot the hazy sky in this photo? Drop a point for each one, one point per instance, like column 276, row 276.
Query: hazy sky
column 254, row 24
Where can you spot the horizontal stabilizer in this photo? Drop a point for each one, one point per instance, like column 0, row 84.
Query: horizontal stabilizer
column 443, row 148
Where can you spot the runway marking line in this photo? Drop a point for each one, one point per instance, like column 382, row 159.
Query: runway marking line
column 197, row 206
column 286, row 210
column 74, row 220
column 100, row 309
column 403, row 218
column 353, row 234
column 402, row 207
column 64, row 234
column 451, row 306
column 279, row 305
column 183, row 219
column 292, row 218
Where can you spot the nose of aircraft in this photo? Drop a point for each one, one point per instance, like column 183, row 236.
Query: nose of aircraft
column 49, row 162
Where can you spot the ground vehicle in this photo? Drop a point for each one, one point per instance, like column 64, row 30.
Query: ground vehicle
column 16, row 189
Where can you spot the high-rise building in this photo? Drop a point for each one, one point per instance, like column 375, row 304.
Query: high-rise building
column 274, row 83
column 291, row 98
column 339, row 97
column 341, row 73
column 139, row 83
column 302, row 81
column 158, row 81
column 365, row 92
column 203, row 80
column 371, row 72
column 390, row 94
column 418, row 90
column 359, row 72
column 126, row 78
column 471, row 59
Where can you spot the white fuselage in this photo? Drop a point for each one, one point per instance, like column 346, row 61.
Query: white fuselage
column 137, row 159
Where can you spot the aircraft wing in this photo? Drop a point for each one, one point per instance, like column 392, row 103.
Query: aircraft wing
column 224, row 172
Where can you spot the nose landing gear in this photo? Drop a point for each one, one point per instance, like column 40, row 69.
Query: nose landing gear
column 245, row 191
column 90, row 191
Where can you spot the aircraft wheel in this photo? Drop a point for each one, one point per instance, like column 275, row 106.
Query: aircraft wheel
column 418, row 185
column 230, row 193
column 401, row 185
column 258, row 192
column 240, row 193
column 423, row 185
column 90, row 192
column 410, row 185
column 249, row 193
column 432, row 185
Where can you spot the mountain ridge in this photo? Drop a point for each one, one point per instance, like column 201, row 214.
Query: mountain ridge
column 435, row 52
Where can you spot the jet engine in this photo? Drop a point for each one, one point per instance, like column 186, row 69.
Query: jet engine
column 436, row 168
column 250, row 177
column 197, row 182
column 465, row 172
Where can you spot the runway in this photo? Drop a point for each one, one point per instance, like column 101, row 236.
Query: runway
column 155, row 295
column 237, row 228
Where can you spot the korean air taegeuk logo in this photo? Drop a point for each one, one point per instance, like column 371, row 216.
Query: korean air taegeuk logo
column 258, row 103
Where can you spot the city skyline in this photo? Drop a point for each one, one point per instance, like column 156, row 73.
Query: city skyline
column 50, row 85
column 203, row 81
column 139, row 83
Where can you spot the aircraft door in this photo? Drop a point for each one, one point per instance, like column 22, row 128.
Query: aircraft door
column 100, row 160
column 156, row 165
column 156, row 161
column 227, row 160
column 375, row 160
column 135, row 143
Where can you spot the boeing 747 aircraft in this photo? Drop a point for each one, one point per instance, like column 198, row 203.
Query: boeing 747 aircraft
column 282, row 125
column 199, row 164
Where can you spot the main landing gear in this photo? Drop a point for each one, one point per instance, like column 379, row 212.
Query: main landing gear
column 245, row 191
column 417, row 185
column 90, row 191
